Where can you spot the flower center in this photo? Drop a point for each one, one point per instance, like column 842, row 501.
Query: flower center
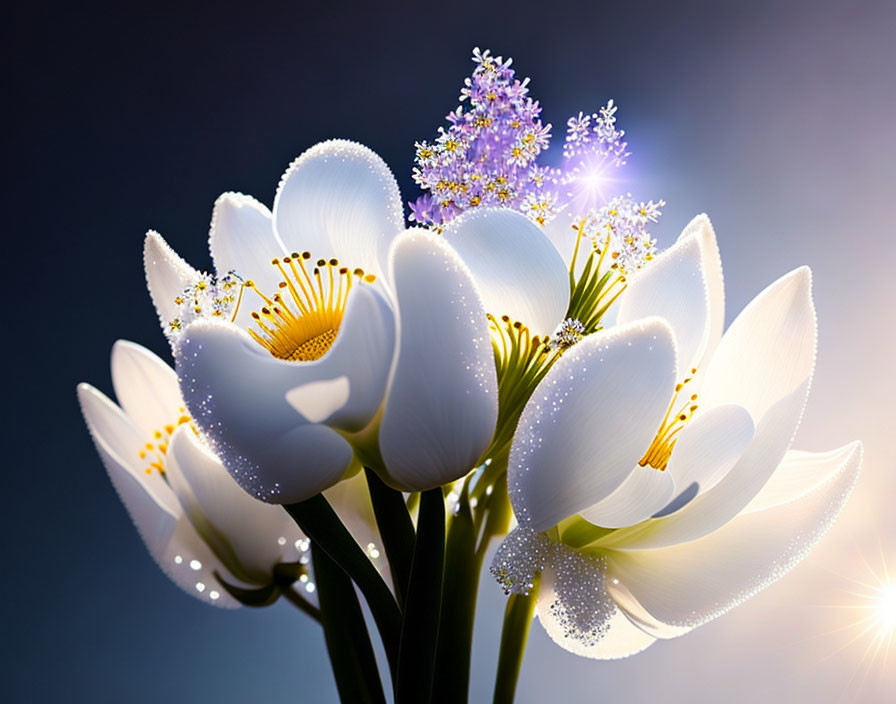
column 154, row 451
column 568, row 334
column 657, row 455
column 207, row 297
column 300, row 322
column 521, row 361
column 597, row 288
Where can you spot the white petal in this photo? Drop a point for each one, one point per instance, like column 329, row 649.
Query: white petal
column 167, row 275
column 242, row 239
column 363, row 353
column 673, row 287
column 623, row 638
column 716, row 507
column 638, row 616
column 318, row 400
column 367, row 333
column 248, row 535
column 712, row 274
column 764, row 363
column 687, row 585
column 442, row 403
column 164, row 529
column 578, row 613
column 643, row 493
column 517, row 270
column 339, row 199
column 561, row 231
column 798, row 474
column 706, row 450
column 192, row 566
column 145, row 386
column 120, row 441
column 769, row 350
column 590, row 421
column 236, row 392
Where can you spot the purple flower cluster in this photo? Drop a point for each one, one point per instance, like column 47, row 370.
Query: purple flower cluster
column 488, row 154
column 620, row 227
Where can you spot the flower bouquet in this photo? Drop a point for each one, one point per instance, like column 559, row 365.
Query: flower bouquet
column 359, row 409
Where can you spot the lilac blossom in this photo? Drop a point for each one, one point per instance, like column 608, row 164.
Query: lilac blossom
column 489, row 154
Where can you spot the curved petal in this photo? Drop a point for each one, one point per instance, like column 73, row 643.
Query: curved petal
column 362, row 354
column 517, row 270
column 248, row 535
column 319, row 400
column 119, row 440
column 707, row 449
column 167, row 275
column 442, row 403
column 638, row 616
column 764, row 363
column 702, row 228
column 339, row 199
column 673, row 286
column 622, row 639
column 573, row 604
column 561, row 231
column 590, row 421
column 687, row 585
column 798, row 474
column 192, row 566
column 769, row 350
column 643, row 493
column 242, row 239
column 236, row 392
column 716, row 507
column 165, row 531
column 145, row 386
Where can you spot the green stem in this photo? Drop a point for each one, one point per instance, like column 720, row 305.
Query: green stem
column 420, row 626
column 517, row 622
column 301, row 603
column 396, row 530
column 452, row 675
column 348, row 642
column 319, row 522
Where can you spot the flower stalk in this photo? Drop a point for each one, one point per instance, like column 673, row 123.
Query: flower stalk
column 348, row 643
column 319, row 522
column 420, row 625
column 518, row 616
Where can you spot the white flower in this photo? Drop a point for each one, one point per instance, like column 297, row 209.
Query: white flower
column 651, row 473
column 376, row 343
column 193, row 518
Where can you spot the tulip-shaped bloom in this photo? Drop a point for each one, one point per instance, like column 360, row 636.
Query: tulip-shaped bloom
column 328, row 331
column 651, row 472
column 541, row 296
column 195, row 521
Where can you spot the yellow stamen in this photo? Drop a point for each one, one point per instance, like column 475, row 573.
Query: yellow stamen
column 303, row 325
column 660, row 450
column 154, row 452
column 522, row 360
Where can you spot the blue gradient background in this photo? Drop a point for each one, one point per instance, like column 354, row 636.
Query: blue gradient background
column 775, row 118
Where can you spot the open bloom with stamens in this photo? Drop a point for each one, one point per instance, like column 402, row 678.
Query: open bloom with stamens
column 329, row 332
column 651, row 472
column 195, row 521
